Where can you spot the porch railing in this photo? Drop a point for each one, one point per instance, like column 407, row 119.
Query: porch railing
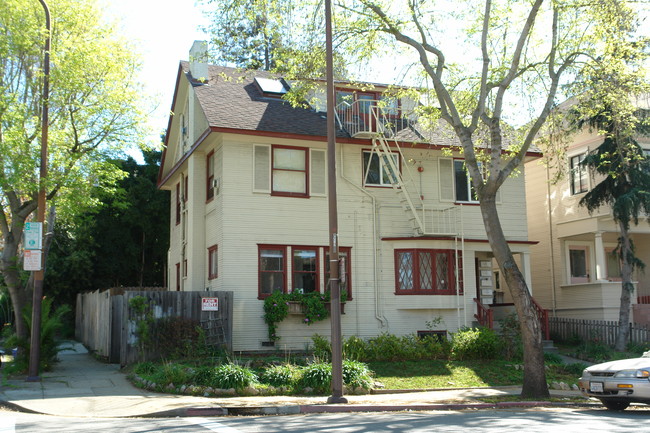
column 484, row 315
column 543, row 318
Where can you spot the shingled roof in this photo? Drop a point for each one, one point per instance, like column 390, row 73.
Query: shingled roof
column 232, row 100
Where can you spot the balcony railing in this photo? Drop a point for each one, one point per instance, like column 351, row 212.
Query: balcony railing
column 365, row 118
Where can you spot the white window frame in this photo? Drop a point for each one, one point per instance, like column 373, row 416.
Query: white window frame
column 381, row 173
column 590, row 264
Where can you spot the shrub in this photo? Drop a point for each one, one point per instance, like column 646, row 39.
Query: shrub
column 355, row 349
column 231, row 375
column 475, row 343
column 178, row 337
column 317, row 376
column 281, row 375
column 204, row 376
column 276, row 309
column 553, row 358
column 357, row 374
column 322, row 348
column 386, row 347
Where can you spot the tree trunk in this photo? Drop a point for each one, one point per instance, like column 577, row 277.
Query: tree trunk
column 627, row 288
column 534, row 385
column 17, row 290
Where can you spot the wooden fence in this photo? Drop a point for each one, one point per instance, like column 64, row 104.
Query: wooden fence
column 108, row 326
column 604, row 331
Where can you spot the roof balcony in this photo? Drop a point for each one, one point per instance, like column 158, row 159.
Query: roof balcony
column 369, row 118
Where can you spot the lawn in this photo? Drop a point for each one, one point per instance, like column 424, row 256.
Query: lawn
column 457, row 374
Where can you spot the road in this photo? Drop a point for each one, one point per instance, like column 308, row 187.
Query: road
column 537, row 420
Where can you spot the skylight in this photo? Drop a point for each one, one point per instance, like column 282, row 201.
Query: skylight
column 271, row 86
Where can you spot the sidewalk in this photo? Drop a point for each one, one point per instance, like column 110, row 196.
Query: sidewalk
column 81, row 386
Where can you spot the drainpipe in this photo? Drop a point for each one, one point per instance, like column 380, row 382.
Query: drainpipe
column 375, row 269
column 550, row 238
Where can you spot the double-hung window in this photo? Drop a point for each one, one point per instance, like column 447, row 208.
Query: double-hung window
column 290, row 174
column 305, row 277
column 463, row 185
column 426, row 272
column 377, row 172
column 209, row 180
column 296, row 268
column 289, row 171
column 578, row 174
column 578, row 264
column 272, row 269
column 213, row 268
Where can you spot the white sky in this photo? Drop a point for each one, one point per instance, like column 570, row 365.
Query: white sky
column 164, row 31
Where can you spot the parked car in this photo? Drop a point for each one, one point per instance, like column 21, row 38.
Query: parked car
column 618, row 383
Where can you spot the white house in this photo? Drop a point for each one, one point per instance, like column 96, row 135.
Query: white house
column 247, row 174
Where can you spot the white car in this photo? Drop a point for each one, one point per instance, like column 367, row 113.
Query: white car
column 618, row 383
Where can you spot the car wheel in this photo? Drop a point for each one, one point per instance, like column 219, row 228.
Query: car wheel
column 615, row 404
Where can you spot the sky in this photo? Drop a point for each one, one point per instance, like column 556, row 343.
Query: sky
column 163, row 31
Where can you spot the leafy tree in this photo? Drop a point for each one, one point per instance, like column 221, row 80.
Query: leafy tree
column 95, row 111
column 517, row 55
column 247, row 33
column 122, row 242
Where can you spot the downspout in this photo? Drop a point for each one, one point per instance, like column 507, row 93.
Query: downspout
column 375, row 269
column 552, row 244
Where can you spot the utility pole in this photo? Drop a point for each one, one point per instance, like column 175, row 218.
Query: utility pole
column 335, row 288
column 35, row 346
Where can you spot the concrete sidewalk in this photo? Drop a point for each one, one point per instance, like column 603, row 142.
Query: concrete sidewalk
column 81, row 386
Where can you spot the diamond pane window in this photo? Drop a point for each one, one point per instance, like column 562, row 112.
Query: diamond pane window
column 427, row 272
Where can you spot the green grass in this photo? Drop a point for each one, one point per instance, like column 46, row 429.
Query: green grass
column 456, row 374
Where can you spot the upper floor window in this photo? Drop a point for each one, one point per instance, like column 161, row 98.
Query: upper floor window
column 178, row 203
column 289, row 171
column 377, row 172
column 426, row 272
column 209, row 181
column 462, row 182
column 578, row 174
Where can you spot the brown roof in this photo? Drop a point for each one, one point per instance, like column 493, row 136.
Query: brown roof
column 232, row 100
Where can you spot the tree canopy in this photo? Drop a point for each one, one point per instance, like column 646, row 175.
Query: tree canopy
column 95, row 108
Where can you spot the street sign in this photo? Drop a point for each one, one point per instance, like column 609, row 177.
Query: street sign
column 209, row 304
column 32, row 260
column 33, row 236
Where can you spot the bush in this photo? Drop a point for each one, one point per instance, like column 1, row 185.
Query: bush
column 204, row 376
column 357, row 374
column 317, row 376
column 322, row 348
column 553, row 358
column 281, row 375
column 355, row 349
column 145, row 368
column 475, row 343
column 231, row 375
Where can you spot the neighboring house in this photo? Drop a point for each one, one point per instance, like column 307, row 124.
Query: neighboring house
column 248, row 178
column 575, row 273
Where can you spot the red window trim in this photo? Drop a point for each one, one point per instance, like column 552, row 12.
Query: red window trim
column 213, row 249
column 306, row 171
column 178, row 203
column 261, row 247
column 316, row 272
column 348, row 268
column 453, row 257
column 209, row 177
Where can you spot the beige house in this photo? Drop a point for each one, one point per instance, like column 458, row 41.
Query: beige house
column 575, row 274
column 247, row 173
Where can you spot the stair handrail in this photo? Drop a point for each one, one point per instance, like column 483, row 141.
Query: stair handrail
column 484, row 315
column 543, row 318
